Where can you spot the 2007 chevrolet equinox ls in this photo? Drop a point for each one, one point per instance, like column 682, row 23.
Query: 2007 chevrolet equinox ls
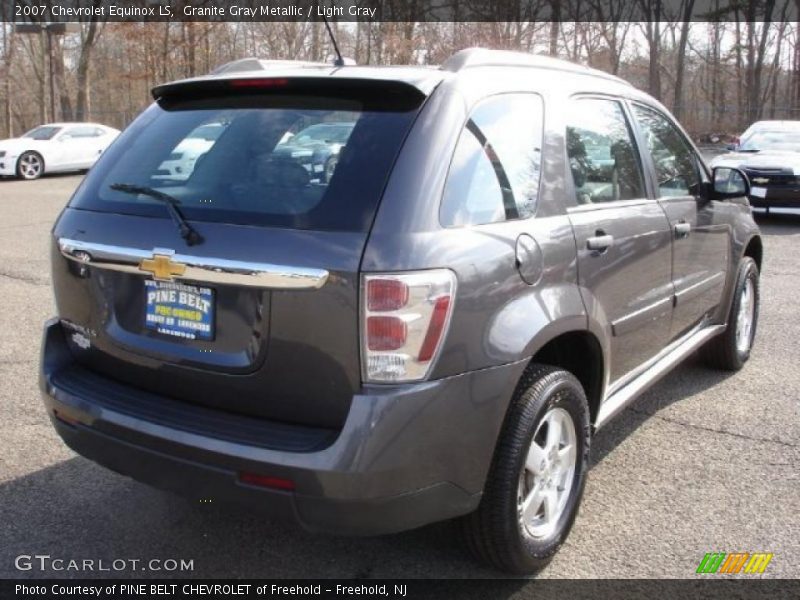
column 424, row 314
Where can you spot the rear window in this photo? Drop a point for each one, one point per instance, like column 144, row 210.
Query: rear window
column 270, row 160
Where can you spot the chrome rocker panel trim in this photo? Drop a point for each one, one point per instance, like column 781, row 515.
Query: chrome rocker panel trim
column 627, row 390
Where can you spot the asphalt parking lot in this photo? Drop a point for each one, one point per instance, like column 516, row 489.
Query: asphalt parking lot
column 704, row 462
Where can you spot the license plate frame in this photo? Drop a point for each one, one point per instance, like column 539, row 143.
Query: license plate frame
column 180, row 310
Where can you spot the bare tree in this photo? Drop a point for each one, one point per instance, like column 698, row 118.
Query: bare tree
column 687, row 7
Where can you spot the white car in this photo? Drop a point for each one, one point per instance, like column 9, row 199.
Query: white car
column 181, row 161
column 54, row 148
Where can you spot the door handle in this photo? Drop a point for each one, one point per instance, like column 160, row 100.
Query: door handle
column 600, row 242
column 682, row 229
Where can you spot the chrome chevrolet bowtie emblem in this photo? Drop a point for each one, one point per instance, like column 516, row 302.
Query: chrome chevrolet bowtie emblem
column 162, row 267
column 760, row 180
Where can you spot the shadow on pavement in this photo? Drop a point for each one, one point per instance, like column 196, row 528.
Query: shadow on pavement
column 78, row 510
column 690, row 378
column 778, row 223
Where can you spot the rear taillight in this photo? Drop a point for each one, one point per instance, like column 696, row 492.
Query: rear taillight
column 404, row 321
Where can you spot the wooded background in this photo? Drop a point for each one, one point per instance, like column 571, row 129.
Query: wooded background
column 716, row 77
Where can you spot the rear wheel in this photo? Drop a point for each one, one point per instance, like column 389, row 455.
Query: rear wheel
column 731, row 349
column 537, row 476
column 30, row 165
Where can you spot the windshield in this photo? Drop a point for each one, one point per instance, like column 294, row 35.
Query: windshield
column 226, row 163
column 772, row 140
column 45, row 132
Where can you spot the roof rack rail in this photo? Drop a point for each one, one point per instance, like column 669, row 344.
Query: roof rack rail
column 481, row 57
column 260, row 64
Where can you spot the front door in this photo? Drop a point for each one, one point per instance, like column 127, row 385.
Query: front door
column 624, row 238
column 701, row 236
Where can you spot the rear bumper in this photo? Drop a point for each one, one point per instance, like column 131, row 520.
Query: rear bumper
column 406, row 456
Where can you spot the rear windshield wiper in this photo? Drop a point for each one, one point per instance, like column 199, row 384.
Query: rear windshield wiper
column 188, row 232
column 753, row 150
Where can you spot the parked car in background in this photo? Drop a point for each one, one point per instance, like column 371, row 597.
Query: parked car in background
column 769, row 153
column 317, row 148
column 54, row 148
column 181, row 161
column 508, row 251
column 773, row 125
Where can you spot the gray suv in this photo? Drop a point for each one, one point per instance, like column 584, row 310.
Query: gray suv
column 508, row 250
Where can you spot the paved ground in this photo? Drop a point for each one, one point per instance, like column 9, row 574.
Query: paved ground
column 704, row 462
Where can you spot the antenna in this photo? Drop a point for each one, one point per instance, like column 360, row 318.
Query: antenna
column 338, row 61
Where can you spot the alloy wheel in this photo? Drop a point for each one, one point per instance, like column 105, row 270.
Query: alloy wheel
column 746, row 316
column 548, row 474
column 30, row 166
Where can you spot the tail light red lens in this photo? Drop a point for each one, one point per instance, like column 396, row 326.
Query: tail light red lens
column 386, row 333
column 435, row 329
column 404, row 322
column 386, row 294
column 267, row 481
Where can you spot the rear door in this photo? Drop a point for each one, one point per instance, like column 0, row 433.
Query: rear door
column 700, row 227
column 623, row 237
column 261, row 318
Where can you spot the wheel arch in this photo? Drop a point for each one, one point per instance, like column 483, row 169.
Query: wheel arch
column 754, row 248
column 579, row 352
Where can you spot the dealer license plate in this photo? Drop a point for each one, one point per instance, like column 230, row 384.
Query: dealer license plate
column 184, row 311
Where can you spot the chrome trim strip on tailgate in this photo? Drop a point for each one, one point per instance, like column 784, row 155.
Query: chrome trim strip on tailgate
column 217, row 271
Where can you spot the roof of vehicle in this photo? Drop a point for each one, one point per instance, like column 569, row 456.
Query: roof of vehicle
column 776, row 125
column 70, row 124
column 423, row 78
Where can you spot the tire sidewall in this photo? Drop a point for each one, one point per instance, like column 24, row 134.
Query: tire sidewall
column 565, row 393
column 747, row 271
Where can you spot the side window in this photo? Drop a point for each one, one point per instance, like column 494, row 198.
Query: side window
column 675, row 163
column 494, row 175
column 602, row 155
column 83, row 132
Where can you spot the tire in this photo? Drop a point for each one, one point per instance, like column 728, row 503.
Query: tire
column 731, row 349
column 330, row 167
column 30, row 165
column 495, row 532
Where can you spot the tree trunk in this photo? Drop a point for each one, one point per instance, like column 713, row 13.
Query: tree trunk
column 83, row 100
column 555, row 26
column 755, row 57
column 653, row 35
column 677, row 102
column 8, row 56
column 60, row 84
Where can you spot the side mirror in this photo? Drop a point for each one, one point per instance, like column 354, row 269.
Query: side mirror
column 732, row 147
column 729, row 182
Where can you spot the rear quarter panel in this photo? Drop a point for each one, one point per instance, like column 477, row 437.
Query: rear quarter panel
column 497, row 317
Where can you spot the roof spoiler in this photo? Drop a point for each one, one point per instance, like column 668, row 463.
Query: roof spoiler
column 377, row 94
